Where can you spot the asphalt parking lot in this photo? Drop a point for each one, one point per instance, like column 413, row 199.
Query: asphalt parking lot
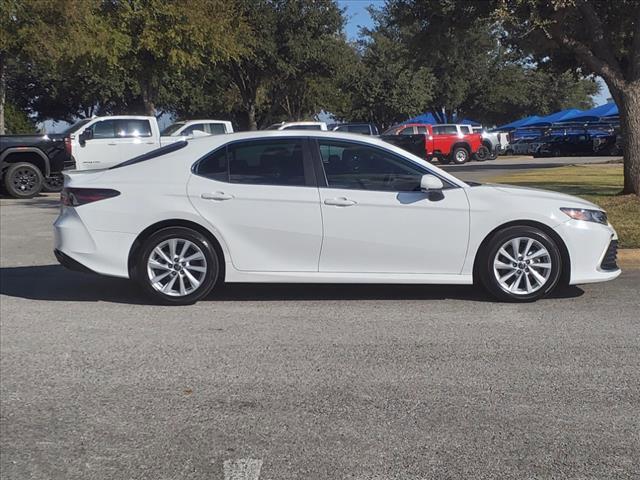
column 307, row 382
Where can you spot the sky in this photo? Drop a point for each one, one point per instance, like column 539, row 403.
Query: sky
column 357, row 15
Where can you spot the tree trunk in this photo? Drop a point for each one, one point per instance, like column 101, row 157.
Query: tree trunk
column 3, row 92
column 251, row 117
column 629, row 106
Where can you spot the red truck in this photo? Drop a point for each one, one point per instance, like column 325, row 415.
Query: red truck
column 447, row 142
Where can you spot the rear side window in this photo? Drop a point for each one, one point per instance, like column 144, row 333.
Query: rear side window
column 216, row 128
column 277, row 162
column 134, row 128
column 364, row 129
column 214, row 166
column 445, row 130
column 303, row 127
column 273, row 162
column 422, row 130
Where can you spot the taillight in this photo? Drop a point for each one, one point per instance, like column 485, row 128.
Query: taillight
column 74, row 197
column 67, row 145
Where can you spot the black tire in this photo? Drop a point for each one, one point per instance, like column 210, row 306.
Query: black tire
column 482, row 154
column 492, row 154
column 460, row 155
column 508, row 152
column 207, row 281
column 54, row 183
column 23, row 180
column 489, row 275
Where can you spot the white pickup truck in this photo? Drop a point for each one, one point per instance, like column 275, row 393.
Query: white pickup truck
column 102, row 142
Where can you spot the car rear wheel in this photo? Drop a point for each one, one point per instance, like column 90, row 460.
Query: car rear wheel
column 460, row 155
column 54, row 183
column 23, row 180
column 482, row 154
column 177, row 266
column 520, row 264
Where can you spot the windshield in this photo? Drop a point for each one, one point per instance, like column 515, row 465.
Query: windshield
column 171, row 129
column 76, row 126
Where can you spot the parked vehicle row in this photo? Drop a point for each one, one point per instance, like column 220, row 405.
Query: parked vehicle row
column 307, row 207
column 561, row 145
column 30, row 163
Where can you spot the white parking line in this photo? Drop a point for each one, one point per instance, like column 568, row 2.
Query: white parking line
column 242, row 469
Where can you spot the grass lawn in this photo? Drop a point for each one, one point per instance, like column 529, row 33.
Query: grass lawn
column 599, row 184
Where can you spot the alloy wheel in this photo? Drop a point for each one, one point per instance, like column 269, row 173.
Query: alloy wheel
column 25, row 179
column 461, row 156
column 176, row 267
column 522, row 266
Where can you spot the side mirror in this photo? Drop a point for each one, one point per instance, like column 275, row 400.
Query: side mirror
column 430, row 183
column 84, row 136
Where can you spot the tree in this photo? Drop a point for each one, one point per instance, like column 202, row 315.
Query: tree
column 459, row 41
column 164, row 40
column 294, row 54
column 383, row 86
column 26, row 30
column 597, row 37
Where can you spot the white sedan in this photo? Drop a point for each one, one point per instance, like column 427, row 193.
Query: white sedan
column 321, row 207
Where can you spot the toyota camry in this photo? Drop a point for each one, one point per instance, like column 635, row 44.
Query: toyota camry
column 321, row 207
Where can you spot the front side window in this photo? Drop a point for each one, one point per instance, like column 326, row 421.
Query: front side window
column 364, row 167
column 133, row 128
column 406, row 131
column 191, row 128
column 171, row 129
column 104, row 129
column 276, row 162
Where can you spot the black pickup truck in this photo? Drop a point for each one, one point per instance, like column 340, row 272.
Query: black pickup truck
column 31, row 163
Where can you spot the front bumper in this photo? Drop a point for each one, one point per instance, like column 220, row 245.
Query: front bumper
column 592, row 250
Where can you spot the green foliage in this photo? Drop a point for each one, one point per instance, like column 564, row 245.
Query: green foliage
column 384, row 86
column 461, row 44
column 16, row 121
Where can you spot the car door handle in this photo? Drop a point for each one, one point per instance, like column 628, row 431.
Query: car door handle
column 340, row 202
column 112, row 144
column 216, row 196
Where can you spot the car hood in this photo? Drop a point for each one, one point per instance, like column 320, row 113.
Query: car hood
column 538, row 194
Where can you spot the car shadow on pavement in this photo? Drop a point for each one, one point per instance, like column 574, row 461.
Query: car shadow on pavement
column 55, row 283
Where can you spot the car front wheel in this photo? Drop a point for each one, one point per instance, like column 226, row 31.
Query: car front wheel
column 520, row 264
column 177, row 266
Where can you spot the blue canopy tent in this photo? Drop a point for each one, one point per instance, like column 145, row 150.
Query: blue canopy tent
column 556, row 117
column 523, row 122
column 608, row 110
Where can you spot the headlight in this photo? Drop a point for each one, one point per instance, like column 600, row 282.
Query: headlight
column 596, row 216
